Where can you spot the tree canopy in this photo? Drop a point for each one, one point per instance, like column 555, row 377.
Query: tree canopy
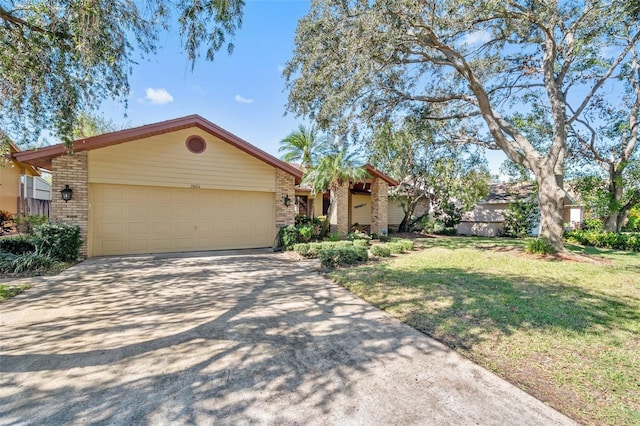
column 60, row 58
column 473, row 64
column 451, row 178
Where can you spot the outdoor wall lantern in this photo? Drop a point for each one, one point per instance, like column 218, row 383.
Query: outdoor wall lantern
column 287, row 200
column 66, row 193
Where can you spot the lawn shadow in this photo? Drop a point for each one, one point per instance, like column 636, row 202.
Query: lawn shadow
column 463, row 308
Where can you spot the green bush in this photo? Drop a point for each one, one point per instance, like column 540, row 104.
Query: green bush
column 6, row 261
column 592, row 224
column 333, row 237
column 520, row 218
column 445, row 231
column 17, row 245
column 289, row 236
column 539, row 246
column 31, row 262
column 27, row 224
column 361, row 243
column 381, row 250
column 601, row 239
column 358, row 236
column 302, row 249
column 396, row 248
column 58, row 241
column 342, row 256
column 311, row 250
column 407, row 244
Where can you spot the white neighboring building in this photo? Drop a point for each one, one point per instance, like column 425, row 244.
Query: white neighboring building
column 487, row 219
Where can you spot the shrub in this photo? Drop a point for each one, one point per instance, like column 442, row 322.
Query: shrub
column 396, row 248
column 31, row 262
column 520, row 218
column 6, row 261
column 58, row 241
column 447, row 231
column 6, row 221
column 381, row 250
column 27, row 224
column 357, row 235
column 592, row 224
column 17, row 245
column 305, row 233
column 342, row 256
column 361, row 243
column 289, row 236
column 407, row 244
column 602, row 239
column 334, row 237
column 539, row 246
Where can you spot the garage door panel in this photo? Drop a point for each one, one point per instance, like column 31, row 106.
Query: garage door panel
column 127, row 220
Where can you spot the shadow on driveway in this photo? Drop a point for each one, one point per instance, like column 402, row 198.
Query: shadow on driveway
column 232, row 339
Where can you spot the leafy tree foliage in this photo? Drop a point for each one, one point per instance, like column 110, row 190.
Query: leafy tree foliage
column 305, row 146
column 331, row 172
column 520, row 218
column 450, row 178
column 88, row 124
column 472, row 64
column 59, row 58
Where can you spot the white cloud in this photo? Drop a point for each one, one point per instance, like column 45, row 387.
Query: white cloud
column 476, row 37
column 242, row 100
column 158, row 96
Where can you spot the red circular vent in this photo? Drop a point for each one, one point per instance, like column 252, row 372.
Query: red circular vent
column 196, row 144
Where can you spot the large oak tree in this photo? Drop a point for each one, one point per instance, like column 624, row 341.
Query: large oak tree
column 59, row 58
column 361, row 63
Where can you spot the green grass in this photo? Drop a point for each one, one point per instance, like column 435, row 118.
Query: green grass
column 8, row 291
column 566, row 331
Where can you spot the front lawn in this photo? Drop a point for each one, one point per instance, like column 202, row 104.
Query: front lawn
column 7, row 291
column 568, row 332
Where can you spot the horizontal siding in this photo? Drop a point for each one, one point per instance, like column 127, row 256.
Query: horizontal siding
column 164, row 160
column 9, row 187
column 396, row 214
column 361, row 209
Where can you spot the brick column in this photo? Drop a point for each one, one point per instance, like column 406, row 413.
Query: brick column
column 379, row 206
column 285, row 185
column 339, row 220
column 71, row 170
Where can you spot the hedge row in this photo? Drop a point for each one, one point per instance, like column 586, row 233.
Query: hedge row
column 611, row 240
column 49, row 245
column 331, row 254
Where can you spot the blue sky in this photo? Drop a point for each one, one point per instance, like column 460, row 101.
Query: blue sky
column 243, row 93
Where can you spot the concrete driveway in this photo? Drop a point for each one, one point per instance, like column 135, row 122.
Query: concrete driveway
column 230, row 339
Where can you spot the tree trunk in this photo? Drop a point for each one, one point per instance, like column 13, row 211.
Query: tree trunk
column 411, row 205
column 327, row 222
column 551, row 199
column 613, row 222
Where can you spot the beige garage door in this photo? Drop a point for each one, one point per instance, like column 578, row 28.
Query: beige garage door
column 137, row 219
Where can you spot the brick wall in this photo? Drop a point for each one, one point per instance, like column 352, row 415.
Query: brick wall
column 379, row 206
column 285, row 185
column 71, row 170
column 339, row 220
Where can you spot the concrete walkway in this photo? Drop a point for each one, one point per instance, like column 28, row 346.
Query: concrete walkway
column 231, row 339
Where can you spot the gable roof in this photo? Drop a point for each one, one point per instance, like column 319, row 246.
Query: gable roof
column 41, row 157
column 29, row 169
column 373, row 172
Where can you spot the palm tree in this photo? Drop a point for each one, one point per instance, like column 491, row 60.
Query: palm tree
column 304, row 145
column 331, row 172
